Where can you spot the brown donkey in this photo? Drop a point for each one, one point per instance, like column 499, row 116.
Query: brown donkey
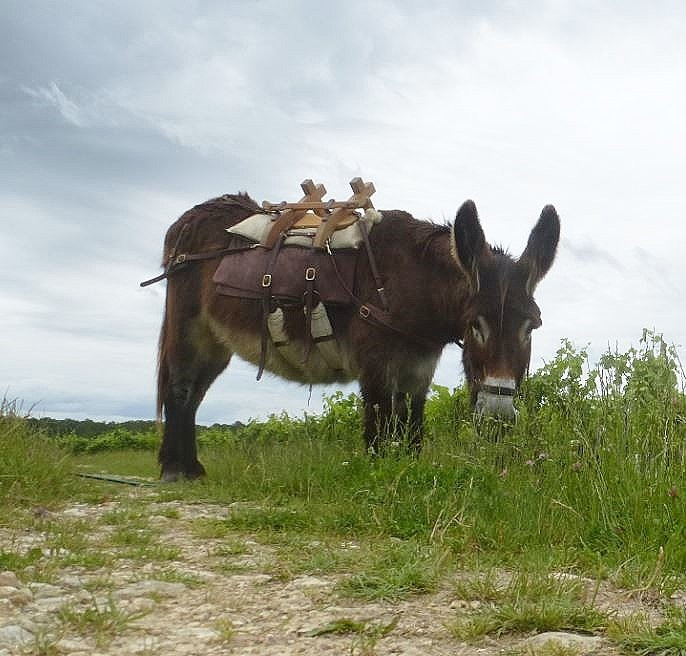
column 441, row 284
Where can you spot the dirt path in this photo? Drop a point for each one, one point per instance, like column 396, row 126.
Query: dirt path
column 205, row 597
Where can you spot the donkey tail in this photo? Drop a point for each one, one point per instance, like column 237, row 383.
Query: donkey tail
column 162, row 367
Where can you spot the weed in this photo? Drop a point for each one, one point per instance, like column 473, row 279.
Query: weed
column 636, row 635
column 528, row 602
column 210, row 528
column 102, row 621
column 225, row 629
column 397, row 569
column 172, row 575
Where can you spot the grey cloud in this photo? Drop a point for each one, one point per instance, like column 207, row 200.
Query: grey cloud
column 591, row 254
column 116, row 118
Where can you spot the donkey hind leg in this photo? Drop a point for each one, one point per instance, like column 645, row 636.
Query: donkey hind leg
column 188, row 378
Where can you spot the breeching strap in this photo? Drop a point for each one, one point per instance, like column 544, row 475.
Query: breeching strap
column 177, row 262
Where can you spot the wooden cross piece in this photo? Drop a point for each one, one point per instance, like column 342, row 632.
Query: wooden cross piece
column 313, row 194
column 360, row 199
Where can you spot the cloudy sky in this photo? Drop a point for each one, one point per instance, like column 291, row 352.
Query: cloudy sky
column 116, row 117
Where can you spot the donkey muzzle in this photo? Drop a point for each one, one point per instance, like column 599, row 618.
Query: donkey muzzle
column 495, row 398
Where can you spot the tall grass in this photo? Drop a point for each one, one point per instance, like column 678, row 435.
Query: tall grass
column 590, row 478
column 33, row 469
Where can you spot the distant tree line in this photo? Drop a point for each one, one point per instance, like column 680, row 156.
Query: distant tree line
column 89, row 428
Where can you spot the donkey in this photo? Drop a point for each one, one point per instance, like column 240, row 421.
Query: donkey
column 443, row 284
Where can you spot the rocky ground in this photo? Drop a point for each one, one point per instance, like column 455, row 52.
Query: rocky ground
column 218, row 601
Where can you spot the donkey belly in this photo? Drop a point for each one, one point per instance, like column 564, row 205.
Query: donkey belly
column 287, row 362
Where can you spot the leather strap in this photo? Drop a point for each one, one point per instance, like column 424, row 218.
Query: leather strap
column 266, row 306
column 372, row 265
column 377, row 316
column 308, row 301
column 177, row 262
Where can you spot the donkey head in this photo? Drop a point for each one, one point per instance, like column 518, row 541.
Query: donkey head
column 501, row 311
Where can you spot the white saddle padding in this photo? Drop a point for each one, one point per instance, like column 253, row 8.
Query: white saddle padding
column 290, row 352
column 257, row 226
column 322, row 334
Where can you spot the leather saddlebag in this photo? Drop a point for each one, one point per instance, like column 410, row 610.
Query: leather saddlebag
column 242, row 274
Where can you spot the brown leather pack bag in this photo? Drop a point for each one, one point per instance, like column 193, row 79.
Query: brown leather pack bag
column 288, row 274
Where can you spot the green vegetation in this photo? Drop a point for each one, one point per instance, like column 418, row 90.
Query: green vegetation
column 637, row 636
column 103, row 621
column 590, row 482
column 33, row 469
column 530, row 601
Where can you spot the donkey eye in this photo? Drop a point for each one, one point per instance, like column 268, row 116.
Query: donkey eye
column 480, row 330
column 525, row 331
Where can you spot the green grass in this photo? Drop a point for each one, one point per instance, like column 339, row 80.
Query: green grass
column 528, row 602
column 396, row 570
column 591, row 480
column 100, row 621
column 637, row 636
column 34, row 471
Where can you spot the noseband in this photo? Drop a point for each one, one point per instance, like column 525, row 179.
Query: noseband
column 497, row 390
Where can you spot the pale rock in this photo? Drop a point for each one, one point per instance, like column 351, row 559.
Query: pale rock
column 45, row 590
column 72, row 581
column 9, row 580
column 70, row 646
column 50, row 604
column 18, row 596
column 14, row 635
column 583, row 644
column 308, row 582
column 154, row 588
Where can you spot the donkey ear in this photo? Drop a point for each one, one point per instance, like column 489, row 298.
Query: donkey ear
column 468, row 242
column 540, row 250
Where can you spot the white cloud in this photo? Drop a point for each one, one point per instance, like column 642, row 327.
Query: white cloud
column 53, row 95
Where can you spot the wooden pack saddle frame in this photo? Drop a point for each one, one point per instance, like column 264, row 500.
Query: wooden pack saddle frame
column 312, row 212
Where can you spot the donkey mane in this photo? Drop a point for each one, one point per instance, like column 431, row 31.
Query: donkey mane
column 497, row 249
column 423, row 233
column 241, row 199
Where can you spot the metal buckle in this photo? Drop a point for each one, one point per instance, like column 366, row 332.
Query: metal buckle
column 310, row 273
column 364, row 312
column 180, row 259
column 267, row 280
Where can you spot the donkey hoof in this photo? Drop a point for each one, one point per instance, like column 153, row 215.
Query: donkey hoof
column 175, row 473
